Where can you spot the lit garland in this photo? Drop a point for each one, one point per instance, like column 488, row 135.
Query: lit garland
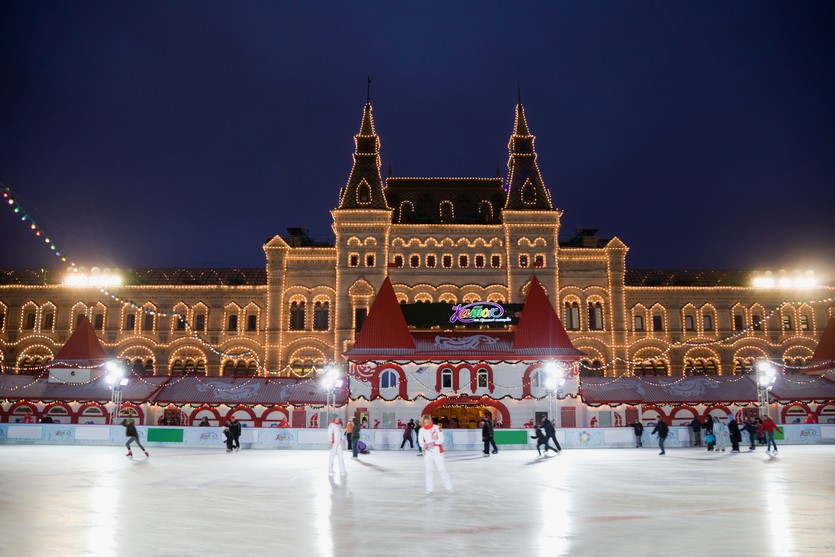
column 18, row 210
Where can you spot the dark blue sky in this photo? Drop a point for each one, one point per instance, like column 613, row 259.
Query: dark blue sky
column 186, row 133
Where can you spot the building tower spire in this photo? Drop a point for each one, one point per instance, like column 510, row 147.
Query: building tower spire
column 526, row 190
column 364, row 189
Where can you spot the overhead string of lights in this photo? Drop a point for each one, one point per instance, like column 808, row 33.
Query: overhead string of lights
column 12, row 203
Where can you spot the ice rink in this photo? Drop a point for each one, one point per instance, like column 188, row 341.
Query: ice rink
column 75, row 501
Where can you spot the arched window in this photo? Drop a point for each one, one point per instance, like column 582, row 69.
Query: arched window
column 528, row 193
column 240, row 368
column 787, row 322
column 297, row 316
column 200, row 322
column 595, row 316
column 232, row 323
column 481, row 379
column 363, row 193
column 228, row 367
column 148, row 322
column 189, row 366
column 485, row 211
column 407, row 212
column 29, row 321
column 321, row 313
column 130, row 322
column 707, row 322
column 446, row 379
column 446, row 211
column 252, row 368
column 689, row 323
column 591, row 368
column 388, row 379
column 804, row 323
column 639, row 322
column 739, row 322
column 252, row 322
column 572, row 316
column 536, row 379
column 177, row 366
column 200, row 367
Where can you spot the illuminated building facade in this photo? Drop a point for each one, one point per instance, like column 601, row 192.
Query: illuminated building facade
column 452, row 240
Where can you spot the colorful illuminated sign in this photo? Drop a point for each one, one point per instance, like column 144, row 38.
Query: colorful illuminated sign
column 479, row 312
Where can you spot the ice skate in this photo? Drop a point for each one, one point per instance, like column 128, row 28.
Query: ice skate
column 147, row 455
column 130, row 454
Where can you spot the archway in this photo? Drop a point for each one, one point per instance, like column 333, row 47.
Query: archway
column 466, row 405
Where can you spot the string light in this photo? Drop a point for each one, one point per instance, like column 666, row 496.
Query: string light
column 17, row 208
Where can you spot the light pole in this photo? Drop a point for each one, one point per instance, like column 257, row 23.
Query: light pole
column 116, row 379
column 554, row 379
column 766, row 376
column 331, row 381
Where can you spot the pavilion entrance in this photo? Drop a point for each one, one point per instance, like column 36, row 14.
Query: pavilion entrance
column 461, row 416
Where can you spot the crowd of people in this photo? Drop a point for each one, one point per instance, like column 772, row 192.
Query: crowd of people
column 715, row 432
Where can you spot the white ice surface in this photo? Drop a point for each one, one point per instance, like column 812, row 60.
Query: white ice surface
column 74, row 501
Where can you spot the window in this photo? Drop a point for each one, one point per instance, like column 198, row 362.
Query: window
column 369, row 260
column 232, row 323
column 98, row 321
column 523, row 261
column 787, row 322
column 595, row 316
column 688, row 323
column 359, row 318
column 463, row 261
column 414, row 261
column 48, row 321
column 446, row 262
column 364, row 193
column 756, row 323
column 536, row 379
column 639, row 322
column 739, row 323
column 2, row 320
column 297, row 316
column 482, row 379
column 148, row 322
column 180, row 322
column 485, row 211
column 572, row 316
column 130, row 322
column 354, row 260
column 431, row 261
column 528, row 193
column 78, row 319
column 657, row 323
column 495, row 261
column 804, row 322
column 446, row 379
column 398, row 261
column 479, row 261
column 539, row 260
column 252, row 322
column 200, row 322
column 30, row 321
column 707, row 321
column 388, row 379
column 321, row 316
column 446, row 212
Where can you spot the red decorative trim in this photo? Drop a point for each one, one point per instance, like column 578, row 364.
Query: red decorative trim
column 401, row 380
column 526, row 378
column 470, row 400
column 785, row 411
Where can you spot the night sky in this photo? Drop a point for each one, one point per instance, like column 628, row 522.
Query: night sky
column 186, row 133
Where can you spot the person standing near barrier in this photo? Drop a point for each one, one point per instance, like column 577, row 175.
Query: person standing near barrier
column 638, row 427
column 662, row 430
column 696, row 426
column 355, row 435
column 719, row 433
column 232, row 429
column 751, row 428
column 734, row 434
column 431, row 439
column 335, row 446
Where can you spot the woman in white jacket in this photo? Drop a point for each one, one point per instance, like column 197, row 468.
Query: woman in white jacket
column 431, row 439
column 719, row 431
column 335, row 437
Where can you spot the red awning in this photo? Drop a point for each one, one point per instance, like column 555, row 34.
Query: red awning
column 28, row 388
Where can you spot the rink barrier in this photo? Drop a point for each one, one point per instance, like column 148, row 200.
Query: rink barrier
column 376, row 439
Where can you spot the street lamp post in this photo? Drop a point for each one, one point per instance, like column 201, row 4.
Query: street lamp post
column 117, row 381
column 554, row 379
column 766, row 376
column 331, row 381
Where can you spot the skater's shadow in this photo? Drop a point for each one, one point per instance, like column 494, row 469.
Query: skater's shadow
column 465, row 457
column 372, row 466
column 539, row 460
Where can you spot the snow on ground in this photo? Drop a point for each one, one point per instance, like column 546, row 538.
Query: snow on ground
column 72, row 500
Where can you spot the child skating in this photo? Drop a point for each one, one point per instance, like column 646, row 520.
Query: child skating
column 431, row 439
column 542, row 441
column 133, row 435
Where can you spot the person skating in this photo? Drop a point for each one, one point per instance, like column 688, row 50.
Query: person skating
column 431, row 439
column 708, row 427
column 487, row 434
column 751, row 428
column 550, row 433
column 542, row 441
column 416, row 426
column 638, row 427
column 696, row 426
column 232, row 429
column 769, row 427
column 355, row 436
column 408, row 429
column 734, row 434
column 133, row 435
column 335, row 446
column 719, row 433
column 662, row 430
column 349, row 429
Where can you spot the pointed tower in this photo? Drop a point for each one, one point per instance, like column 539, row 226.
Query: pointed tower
column 540, row 328
column 526, row 190
column 364, row 189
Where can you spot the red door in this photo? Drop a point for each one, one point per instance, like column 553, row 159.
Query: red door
column 568, row 416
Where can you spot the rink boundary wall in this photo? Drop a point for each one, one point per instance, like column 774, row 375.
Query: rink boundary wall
column 376, row 439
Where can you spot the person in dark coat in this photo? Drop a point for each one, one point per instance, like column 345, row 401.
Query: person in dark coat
column 708, row 427
column 662, row 430
column 639, row 431
column 416, row 426
column 133, row 436
column 232, row 430
column 355, row 436
column 487, row 434
column 735, row 435
column 542, row 441
column 696, row 426
column 751, row 428
column 550, row 433
column 407, row 435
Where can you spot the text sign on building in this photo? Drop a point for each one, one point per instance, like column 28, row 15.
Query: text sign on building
column 479, row 312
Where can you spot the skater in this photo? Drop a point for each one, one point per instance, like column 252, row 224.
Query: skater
column 541, row 441
column 760, row 431
column 719, row 433
column 408, row 429
column 750, row 427
column 232, row 430
column 662, row 430
column 349, row 429
column 487, row 434
column 708, row 427
column 335, row 446
column 769, row 427
column 550, row 432
column 416, row 427
column 639, row 431
column 697, row 432
column 735, row 435
column 431, row 438
column 355, row 436
column 204, row 422
column 133, row 435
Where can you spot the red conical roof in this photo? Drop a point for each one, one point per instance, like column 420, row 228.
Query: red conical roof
column 385, row 326
column 83, row 345
column 824, row 355
column 539, row 326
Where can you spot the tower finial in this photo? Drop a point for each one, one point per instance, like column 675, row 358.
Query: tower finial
column 518, row 90
column 368, row 91
column 389, row 167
